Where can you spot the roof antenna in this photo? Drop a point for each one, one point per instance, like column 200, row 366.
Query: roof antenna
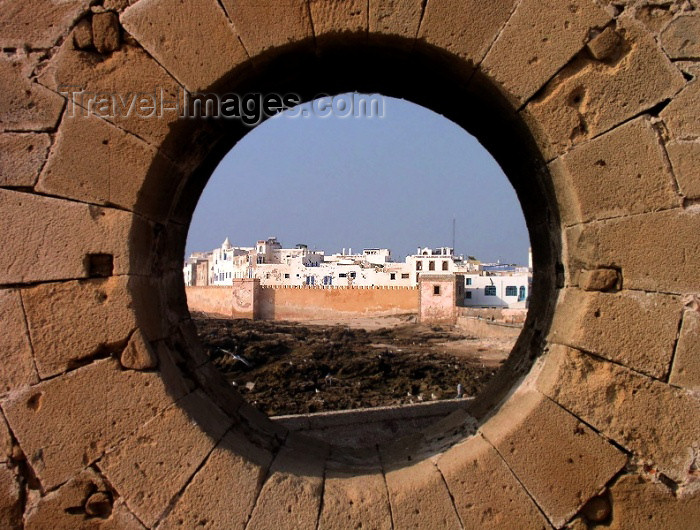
column 454, row 230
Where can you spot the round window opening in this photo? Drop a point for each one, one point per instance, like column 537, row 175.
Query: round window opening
column 363, row 260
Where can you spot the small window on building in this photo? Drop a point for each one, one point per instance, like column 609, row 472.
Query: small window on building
column 468, row 295
column 445, row 265
column 469, row 281
column 459, row 290
column 511, row 290
column 392, row 276
column 342, row 275
column 419, row 265
column 404, row 276
column 490, row 290
column 436, row 290
column 286, row 276
column 431, row 266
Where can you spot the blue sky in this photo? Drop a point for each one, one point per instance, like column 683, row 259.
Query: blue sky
column 395, row 181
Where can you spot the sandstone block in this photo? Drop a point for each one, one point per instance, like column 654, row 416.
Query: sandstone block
column 106, row 34
column 37, row 23
column 600, row 280
column 222, row 494
column 395, row 18
column 589, row 97
column 60, row 424
column 166, row 452
column 82, row 35
column 25, row 105
column 73, row 321
column 177, row 35
column 21, row 158
column 5, row 441
column 682, row 115
column 10, row 499
column 96, row 162
column 685, row 158
column 16, row 361
column 604, row 45
column 654, row 251
column 632, row 328
column 486, row 493
column 138, row 354
column 338, row 17
column 652, row 419
column 681, row 38
column 686, row 363
column 578, row 463
column 644, row 505
column 219, row 390
column 355, row 501
column 619, row 173
column 466, row 28
column 291, row 495
column 539, row 38
column 263, row 27
column 419, row 497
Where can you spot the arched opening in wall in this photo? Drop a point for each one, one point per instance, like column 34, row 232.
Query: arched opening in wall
column 358, row 251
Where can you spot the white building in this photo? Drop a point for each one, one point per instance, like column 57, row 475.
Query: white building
column 506, row 291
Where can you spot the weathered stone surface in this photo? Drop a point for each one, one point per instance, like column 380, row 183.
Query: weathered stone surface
column 340, row 16
column 655, row 251
column 82, row 34
column 529, row 426
column 10, row 499
column 619, row 173
column 600, row 280
column 419, row 497
column 177, row 35
column 222, row 494
column 37, row 23
column 537, row 41
column 589, row 97
column 51, row 238
column 656, row 421
column 686, row 363
column 5, row 441
column 395, row 17
column 61, row 426
column 21, row 158
column 106, row 35
column 682, row 115
column 291, row 495
column 685, row 158
column 681, row 38
column 485, row 492
column 654, row 15
column 604, row 45
column 466, row 28
column 355, row 501
column 166, row 452
column 632, row 328
column 16, row 362
column 644, row 505
column 96, row 162
column 25, row 105
column 265, row 26
column 85, row 502
column 138, row 354
column 72, row 321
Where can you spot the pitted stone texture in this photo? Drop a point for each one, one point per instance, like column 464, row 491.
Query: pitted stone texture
column 354, row 500
column 106, row 34
column 158, row 460
column 72, row 321
column 395, row 17
column 268, row 25
column 589, row 97
column 51, row 238
column 600, row 280
column 682, row 115
column 465, row 28
column 686, row 363
column 10, row 499
column 138, row 354
column 6, row 444
column 537, row 41
column 82, row 34
column 619, row 173
column 120, row 77
column 25, row 105
column 339, row 16
column 178, row 34
column 632, row 328
column 419, row 497
column 67, row 507
column 16, row 362
column 681, row 38
column 37, row 23
column 61, row 425
column 685, row 158
column 222, row 494
column 656, row 421
column 291, row 495
column 655, row 251
column 644, row 505
column 21, row 158
column 96, row 162
column 542, row 443
column 485, row 492
column 653, row 14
